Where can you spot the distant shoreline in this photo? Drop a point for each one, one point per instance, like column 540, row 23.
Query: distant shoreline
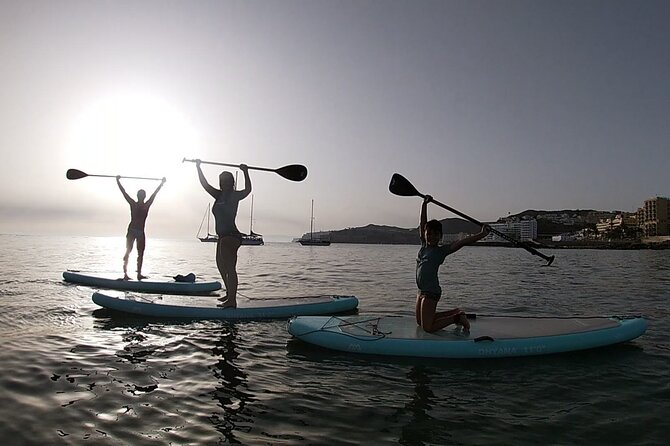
column 616, row 245
column 590, row 244
column 621, row 245
column 390, row 235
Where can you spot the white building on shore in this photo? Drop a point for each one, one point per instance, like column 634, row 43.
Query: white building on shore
column 521, row 230
column 654, row 217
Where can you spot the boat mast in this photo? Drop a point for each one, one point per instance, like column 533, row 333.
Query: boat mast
column 311, row 223
column 251, row 218
column 203, row 221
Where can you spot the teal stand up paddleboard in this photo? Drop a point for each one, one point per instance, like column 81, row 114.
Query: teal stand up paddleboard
column 489, row 336
column 145, row 286
column 246, row 310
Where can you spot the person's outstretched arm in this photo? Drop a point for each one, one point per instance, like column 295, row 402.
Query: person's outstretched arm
column 123, row 191
column 151, row 199
column 458, row 244
column 211, row 190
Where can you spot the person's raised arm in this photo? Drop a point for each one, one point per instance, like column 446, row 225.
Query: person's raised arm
column 247, row 180
column 458, row 244
column 151, row 199
column 123, row 191
column 424, row 217
column 211, row 190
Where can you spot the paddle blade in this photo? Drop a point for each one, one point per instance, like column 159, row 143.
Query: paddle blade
column 74, row 174
column 399, row 185
column 294, row 172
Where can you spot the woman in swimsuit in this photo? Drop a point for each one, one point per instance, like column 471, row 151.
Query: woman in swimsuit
column 226, row 201
column 138, row 216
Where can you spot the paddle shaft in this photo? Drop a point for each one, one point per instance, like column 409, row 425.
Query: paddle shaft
column 76, row 174
column 128, row 178
column 292, row 172
column 498, row 233
column 400, row 185
column 266, row 169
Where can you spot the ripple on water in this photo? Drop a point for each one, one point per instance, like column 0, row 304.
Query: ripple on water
column 86, row 376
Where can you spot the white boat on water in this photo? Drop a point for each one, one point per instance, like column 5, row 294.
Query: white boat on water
column 251, row 239
column 209, row 237
column 311, row 241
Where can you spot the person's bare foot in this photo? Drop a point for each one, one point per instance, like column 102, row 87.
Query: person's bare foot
column 226, row 302
column 125, row 277
column 462, row 319
column 140, row 276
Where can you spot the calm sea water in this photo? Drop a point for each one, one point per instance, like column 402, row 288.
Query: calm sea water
column 73, row 374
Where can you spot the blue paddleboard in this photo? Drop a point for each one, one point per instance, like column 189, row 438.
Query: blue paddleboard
column 145, row 286
column 250, row 310
column 489, row 336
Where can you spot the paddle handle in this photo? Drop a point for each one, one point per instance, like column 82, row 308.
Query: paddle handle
column 214, row 163
column 531, row 250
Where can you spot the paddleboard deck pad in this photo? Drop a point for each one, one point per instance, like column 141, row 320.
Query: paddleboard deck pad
column 145, row 286
column 489, row 336
column 174, row 307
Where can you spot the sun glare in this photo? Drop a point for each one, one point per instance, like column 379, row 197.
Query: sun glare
column 130, row 134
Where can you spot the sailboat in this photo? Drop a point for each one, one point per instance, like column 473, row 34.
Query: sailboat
column 311, row 241
column 252, row 239
column 209, row 237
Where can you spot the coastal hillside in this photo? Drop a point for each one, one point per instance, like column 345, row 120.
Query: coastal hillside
column 548, row 223
column 392, row 235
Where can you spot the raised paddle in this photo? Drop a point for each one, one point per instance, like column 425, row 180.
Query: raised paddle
column 293, row 172
column 74, row 174
column 401, row 186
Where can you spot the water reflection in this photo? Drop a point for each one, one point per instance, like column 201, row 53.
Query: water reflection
column 232, row 391
column 419, row 428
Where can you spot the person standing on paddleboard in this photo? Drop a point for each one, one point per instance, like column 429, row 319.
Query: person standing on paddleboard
column 138, row 216
column 428, row 261
column 226, row 202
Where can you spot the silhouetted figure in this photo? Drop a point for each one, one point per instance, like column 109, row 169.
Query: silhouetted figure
column 138, row 216
column 226, row 202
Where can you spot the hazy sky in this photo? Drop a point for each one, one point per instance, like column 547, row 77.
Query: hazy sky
column 493, row 107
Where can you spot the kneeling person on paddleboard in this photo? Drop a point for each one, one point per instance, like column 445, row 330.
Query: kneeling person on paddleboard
column 139, row 210
column 428, row 261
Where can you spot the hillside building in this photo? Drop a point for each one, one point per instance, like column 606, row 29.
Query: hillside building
column 521, row 230
column 619, row 220
column 654, row 217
